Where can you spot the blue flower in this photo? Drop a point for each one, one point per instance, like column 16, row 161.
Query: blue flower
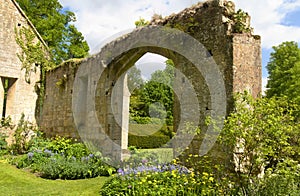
column 121, row 172
column 48, row 152
column 30, row 155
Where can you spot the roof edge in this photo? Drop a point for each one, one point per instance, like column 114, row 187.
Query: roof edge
column 30, row 24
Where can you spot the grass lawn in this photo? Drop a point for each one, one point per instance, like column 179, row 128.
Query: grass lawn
column 17, row 182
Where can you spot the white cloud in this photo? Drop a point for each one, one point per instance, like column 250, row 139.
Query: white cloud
column 99, row 19
column 149, row 63
column 268, row 17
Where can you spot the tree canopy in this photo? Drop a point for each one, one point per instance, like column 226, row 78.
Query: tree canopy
column 53, row 24
column 284, row 71
column 155, row 97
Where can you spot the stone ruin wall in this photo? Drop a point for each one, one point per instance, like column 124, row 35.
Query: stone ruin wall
column 22, row 96
column 57, row 113
column 238, row 56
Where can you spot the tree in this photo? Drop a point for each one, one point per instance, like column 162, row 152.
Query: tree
column 52, row 22
column 134, row 79
column 284, row 71
column 156, row 97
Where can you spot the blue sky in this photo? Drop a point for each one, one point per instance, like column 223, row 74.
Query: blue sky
column 275, row 20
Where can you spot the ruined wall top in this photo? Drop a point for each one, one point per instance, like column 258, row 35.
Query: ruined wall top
column 222, row 11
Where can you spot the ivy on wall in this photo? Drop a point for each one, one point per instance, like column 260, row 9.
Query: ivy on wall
column 34, row 57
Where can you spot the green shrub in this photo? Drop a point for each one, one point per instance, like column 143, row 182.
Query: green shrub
column 68, row 147
column 22, row 136
column 149, row 141
column 71, row 168
column 282, row 180
column 61, row 158
column 3, row 144
column 138, row 157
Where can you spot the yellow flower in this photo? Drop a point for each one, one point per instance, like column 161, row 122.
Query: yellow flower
column 205, row 174
column 174, row 173
column 192, row 174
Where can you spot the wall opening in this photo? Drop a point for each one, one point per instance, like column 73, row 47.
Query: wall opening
column 150, row 83
column 8, row 94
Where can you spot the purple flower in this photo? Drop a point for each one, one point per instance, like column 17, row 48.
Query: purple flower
column 121, row 172
column 91, row 155
column 144, row 161
column 30, row 155
column 48, row 152
column 129, row 186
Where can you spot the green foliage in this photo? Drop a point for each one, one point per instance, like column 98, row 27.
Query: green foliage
column 68, row 147
column 33, row 53
column 155, row 98
column 240, row 22
column 261, row 134
column 282, row 180
column 22, row 136
column 189, row 26
column 61, row 83
column 148, row 141
column 52, row 22
column 284, row 72
column 141, row 23
column 134, row 80
column 5, row 125
column 59, row 167
column 161, row 179
column 3, row 143
column 64, row 159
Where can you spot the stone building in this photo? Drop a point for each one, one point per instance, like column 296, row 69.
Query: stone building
column 224, row 32
column 16, row 95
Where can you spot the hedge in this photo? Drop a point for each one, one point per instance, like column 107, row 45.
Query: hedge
column 149, row 141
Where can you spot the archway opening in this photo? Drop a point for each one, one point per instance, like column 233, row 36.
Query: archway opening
column 150, row 82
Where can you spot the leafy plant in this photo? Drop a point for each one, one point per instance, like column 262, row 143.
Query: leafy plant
column 141, row 23
column 3, row 143
column 22, row 136
column 64, row 159
column 261, row 134
column 240, row 22
column 166, row 179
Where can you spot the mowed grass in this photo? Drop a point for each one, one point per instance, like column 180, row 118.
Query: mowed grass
column 14, row 181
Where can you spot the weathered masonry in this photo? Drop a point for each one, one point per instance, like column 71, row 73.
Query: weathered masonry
column 16, row 95
column 100, row 98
